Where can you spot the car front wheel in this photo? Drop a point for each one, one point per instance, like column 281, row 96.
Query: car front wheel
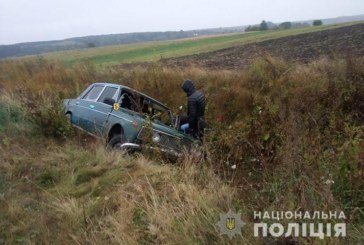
column 116, row 142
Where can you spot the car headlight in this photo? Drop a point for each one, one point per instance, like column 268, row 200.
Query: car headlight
column 156, row 137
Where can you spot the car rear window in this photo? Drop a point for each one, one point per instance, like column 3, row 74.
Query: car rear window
column 94, row 93
column 109, row 92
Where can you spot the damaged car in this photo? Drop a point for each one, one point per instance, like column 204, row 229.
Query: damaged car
column 128, row 120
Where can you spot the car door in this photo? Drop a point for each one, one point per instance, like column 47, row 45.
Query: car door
column 101, row 111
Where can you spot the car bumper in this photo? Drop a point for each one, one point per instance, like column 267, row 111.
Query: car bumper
column 130, row 146
column 137, row 147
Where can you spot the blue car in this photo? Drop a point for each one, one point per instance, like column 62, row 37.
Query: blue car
column 127, row 119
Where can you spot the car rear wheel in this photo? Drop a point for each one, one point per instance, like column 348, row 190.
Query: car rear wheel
column 69, row 117
column 116, row 142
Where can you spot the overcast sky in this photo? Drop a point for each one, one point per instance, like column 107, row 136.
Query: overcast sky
column 38, row 20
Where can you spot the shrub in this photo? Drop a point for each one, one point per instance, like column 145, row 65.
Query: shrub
column 46, row 112
column 12, row 114
column 317, row 23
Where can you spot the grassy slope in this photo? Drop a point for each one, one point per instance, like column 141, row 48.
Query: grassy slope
column 288, row 129
column 152, row 51
column 294, row 133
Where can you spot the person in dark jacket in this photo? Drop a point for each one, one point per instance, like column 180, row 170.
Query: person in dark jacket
column 195, row 121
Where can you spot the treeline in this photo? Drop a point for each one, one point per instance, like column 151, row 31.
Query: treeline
column 33, row 48
column 267, row 25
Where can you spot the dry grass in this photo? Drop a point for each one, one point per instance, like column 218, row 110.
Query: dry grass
column 285, row 128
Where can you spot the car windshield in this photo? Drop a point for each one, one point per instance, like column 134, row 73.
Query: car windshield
column 93, row 93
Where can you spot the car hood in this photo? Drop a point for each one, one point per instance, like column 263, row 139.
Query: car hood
column 171, row 131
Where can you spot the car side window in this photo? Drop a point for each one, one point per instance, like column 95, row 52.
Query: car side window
column 125, row 101
column 109, row 92
column 94, row 93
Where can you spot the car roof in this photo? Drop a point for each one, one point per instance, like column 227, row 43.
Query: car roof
column 135, row 91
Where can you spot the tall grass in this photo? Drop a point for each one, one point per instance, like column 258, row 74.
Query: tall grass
column 285, row 137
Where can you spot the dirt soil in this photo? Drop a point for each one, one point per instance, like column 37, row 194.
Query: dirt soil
column 339, row 42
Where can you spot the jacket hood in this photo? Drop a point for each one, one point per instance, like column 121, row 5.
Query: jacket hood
column 188, row 87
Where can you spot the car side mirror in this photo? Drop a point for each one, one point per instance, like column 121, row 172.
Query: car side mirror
column 109, row 101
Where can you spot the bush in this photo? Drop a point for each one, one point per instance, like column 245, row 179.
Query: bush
column 46, row 112
column 317, row 23
column 285, row 25
column 11, row 112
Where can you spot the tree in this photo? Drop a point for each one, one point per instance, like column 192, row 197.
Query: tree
column 271, row 25
column 317, row 23
column 300, row 25
column 91, row 45
column 252, row 28
column 285, row 25
column 263, row 26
